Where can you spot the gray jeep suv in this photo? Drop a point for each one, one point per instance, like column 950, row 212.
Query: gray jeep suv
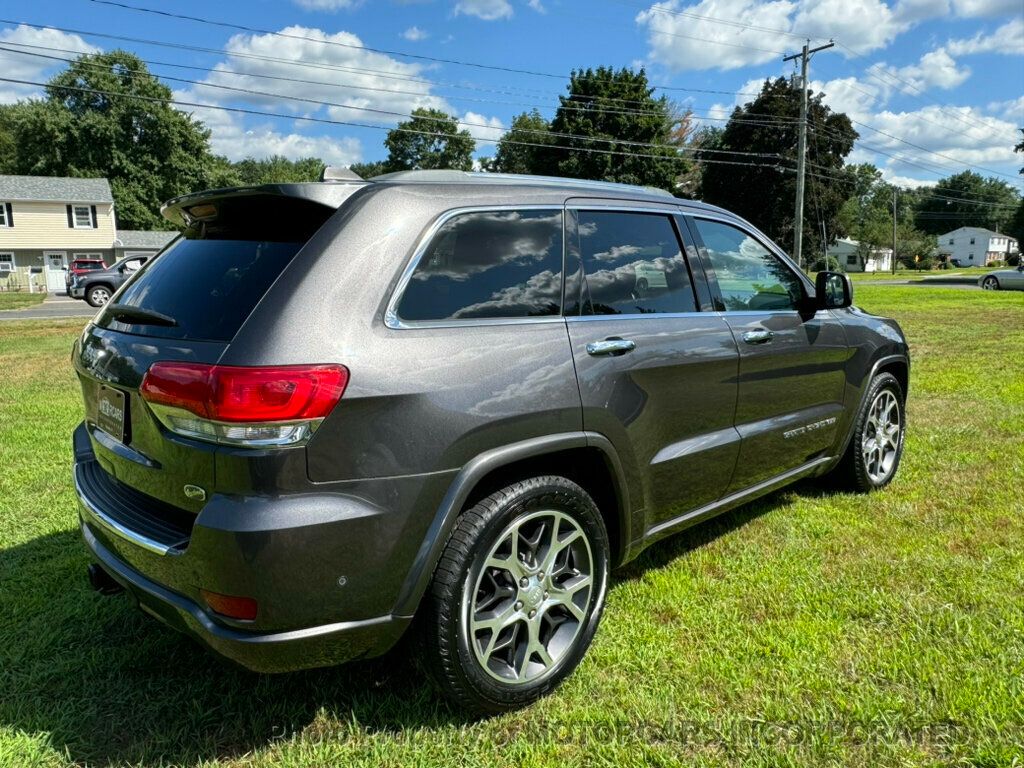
column 450, row 403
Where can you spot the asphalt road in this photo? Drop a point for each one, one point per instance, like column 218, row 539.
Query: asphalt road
column 54, row 306
column 922, row 284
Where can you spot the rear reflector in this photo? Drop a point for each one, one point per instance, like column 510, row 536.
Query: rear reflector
column 241, row 608
column 258, row 406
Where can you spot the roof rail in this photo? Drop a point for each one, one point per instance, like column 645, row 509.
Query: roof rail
column 464, row 177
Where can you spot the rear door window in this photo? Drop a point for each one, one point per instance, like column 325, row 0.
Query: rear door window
column 488, row 264
column 633, row 264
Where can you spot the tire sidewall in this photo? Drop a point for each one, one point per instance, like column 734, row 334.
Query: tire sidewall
column 883, row 381
column 89, row 296
column 539, row 494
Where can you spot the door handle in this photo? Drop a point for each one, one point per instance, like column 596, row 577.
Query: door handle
column 761, row 336
column 611, row 347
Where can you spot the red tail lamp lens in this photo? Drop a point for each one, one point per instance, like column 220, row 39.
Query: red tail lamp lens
column 244, row 394
column 232, row 606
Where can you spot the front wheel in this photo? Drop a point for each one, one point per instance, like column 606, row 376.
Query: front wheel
column 517, row 595
column 874, row 453
column 990, row 284
column 98, row 295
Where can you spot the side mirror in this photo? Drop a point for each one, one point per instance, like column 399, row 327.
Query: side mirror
column 833, row 289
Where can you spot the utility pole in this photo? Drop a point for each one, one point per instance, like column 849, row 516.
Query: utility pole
column 895, row 191
column 801, row 160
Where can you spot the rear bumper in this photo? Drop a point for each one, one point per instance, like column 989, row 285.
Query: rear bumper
column 318, row 646
column 325, row 568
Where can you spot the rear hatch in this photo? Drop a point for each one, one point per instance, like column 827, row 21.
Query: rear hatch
column 185, row 306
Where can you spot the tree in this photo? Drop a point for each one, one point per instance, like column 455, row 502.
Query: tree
column 369, row 170
column 512, row 154
column 764, row 191
column 616, row 117
column 1015, row 228
column 278, row 170
column 148, row 150
column 966, row 200
column 431, row 139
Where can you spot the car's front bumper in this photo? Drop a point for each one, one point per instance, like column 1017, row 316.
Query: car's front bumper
column 76, row 292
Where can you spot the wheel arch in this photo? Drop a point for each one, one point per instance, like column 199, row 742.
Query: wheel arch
column 587, row 458
column 899, row 366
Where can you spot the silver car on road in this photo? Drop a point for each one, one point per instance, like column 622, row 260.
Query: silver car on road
column 1010, row 279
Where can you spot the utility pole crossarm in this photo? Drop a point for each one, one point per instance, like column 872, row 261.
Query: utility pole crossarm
column 801, row 159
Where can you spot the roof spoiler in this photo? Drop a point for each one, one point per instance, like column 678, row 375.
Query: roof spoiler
column 334, row 173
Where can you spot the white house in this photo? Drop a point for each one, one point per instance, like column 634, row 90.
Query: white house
column 852, row 256
column 48, row 221
column 975, row 246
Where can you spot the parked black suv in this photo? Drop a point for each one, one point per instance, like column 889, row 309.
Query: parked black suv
column 332, row 407
column 96, row 286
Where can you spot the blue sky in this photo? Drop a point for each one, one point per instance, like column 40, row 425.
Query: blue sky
column 944, row 75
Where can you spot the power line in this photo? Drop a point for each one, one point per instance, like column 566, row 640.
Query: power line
column 329, row 121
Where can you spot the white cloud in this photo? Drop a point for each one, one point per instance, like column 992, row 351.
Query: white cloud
column 482, row 127
column 936, row 69
column 18, row 66
column 1007, row 39
column 488, row 10
column 863, row 25
column 538, row 6
column 326, row 5
column 742, row 46
column 355, row 80
column 912, row 11
column 986, row 7
column 415, row 34
column 229, row 137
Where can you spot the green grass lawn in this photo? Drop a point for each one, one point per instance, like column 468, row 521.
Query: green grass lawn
column 20, row 300
column 807, row 629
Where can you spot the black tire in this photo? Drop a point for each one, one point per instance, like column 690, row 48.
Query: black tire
column 857, row 472
column 452, row 656
column 98, row 295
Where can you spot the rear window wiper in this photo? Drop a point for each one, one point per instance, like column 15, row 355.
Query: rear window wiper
column 126, row 313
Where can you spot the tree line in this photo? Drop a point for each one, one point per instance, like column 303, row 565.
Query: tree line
column 608, row 126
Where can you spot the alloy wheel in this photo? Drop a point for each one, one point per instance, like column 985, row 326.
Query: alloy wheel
column 990, row 284
column 100, row 296
column 880, row 442
column 530, row 601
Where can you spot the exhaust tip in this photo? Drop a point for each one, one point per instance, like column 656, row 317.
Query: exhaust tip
column 102, row 582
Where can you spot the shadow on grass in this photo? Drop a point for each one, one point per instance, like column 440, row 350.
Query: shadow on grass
column 108, row 684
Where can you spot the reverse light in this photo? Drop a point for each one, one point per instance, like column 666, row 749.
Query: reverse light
column 240, row 405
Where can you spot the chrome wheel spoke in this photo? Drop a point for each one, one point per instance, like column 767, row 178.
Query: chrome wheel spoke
column 880, row 442
column 531, row 597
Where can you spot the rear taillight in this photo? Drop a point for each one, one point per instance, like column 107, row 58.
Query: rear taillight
column 258, row 406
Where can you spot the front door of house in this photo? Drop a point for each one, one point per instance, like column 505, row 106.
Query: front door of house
column 56, row 261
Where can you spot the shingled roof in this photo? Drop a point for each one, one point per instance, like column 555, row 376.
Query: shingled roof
column 61, row 189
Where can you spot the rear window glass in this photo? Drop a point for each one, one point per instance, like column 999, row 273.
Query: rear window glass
column 489, row 264
column 209, row 287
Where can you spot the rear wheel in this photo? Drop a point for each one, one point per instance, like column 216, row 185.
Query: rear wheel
column 98, row 295
column 517, row 595
column 874, row 453
column 990, row 283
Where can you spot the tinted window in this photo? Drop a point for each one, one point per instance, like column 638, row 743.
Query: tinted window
column 489, row 264
column 208, row 286
column 632, row 264
column 749, row 276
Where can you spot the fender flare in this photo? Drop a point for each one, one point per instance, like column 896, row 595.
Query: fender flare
column 422, row 569
column 884, row 360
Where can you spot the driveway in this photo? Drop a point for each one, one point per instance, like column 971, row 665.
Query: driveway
column 923, row 284
column 53, row 306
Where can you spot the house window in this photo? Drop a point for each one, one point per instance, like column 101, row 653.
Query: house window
column 851, row 259
column 6, row 263
column 972, row 241
column 83, row 217
column 971, row 257
column 951, row 241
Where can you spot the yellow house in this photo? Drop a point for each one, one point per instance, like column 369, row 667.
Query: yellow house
column 45, row 222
